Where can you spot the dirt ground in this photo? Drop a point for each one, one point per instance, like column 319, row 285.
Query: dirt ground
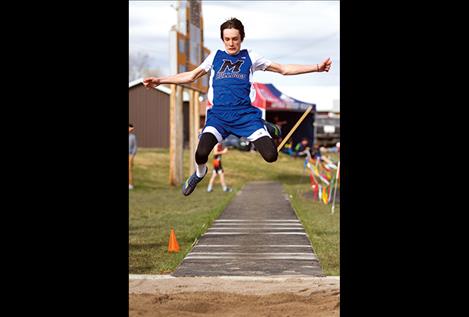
column 169, row 296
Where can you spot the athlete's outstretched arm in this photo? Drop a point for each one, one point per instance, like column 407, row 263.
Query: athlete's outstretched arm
column 292, row 69
column 181, row 78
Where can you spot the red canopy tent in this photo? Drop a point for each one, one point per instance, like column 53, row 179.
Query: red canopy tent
column 275, row 105
column 269, row 98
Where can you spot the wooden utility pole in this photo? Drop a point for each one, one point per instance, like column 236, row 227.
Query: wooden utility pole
column 194, row 125
column 175, row 136
column 187, row 52
column 196, row 117
column 192, row 146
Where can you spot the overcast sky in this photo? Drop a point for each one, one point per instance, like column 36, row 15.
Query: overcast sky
column 286, row 32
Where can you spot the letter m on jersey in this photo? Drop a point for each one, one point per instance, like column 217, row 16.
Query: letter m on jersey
column 233, row 67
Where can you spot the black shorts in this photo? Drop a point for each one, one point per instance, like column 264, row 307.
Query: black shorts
column 218, row 169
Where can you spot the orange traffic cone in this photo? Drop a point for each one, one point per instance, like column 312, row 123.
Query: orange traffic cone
column 173, row 245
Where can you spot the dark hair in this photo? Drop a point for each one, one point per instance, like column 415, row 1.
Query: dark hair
column 232, row 23
column 131, row 125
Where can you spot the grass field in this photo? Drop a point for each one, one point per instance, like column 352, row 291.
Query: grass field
column 155, row 207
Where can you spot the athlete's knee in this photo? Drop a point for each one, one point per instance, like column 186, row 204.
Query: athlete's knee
column 206, row 144
column 270, row 156
column 201, row 157
column 266, row 147
column 202, row 153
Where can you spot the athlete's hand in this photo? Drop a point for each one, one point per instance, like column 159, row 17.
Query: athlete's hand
column 325, row 66
column 151, row 82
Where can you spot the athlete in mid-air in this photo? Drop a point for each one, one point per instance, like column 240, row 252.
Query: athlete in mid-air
column 230, row 95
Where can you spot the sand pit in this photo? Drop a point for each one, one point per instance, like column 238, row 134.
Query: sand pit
column 168, row 296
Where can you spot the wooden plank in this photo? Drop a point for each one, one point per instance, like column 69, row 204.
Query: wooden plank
column 294, row 128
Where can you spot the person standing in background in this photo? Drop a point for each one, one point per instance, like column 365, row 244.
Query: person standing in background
column 218, row 169
column 132, row 153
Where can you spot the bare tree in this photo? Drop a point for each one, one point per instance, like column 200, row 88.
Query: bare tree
column 138, row 65
column 155, row 72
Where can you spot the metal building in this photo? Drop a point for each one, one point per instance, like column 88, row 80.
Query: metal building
column 149, row 113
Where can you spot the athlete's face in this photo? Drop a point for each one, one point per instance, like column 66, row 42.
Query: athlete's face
column 232, row 41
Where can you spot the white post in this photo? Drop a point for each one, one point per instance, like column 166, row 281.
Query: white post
column 335, row 186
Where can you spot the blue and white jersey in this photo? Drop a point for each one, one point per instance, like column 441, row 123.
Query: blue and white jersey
column 231, row 78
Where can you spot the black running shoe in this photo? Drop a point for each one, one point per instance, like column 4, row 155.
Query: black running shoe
column 273, row 129
column 190, row 184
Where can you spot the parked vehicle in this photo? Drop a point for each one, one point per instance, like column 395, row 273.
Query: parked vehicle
column 233, row 141
column 327, row 129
